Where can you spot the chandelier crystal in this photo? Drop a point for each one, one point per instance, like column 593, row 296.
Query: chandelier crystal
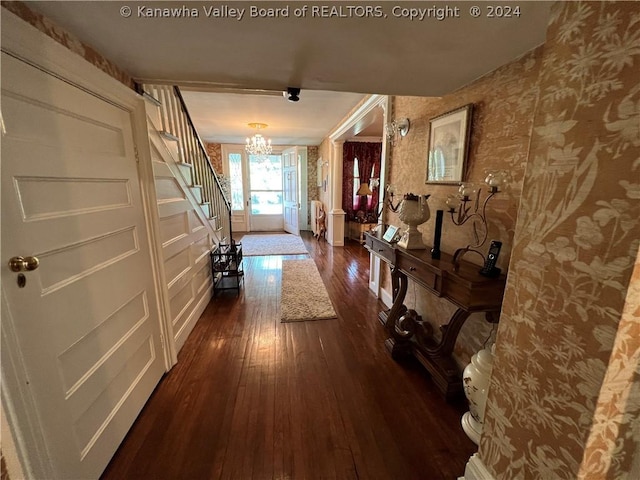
column 258, row 145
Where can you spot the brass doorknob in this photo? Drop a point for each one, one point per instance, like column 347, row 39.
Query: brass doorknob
column 23, row 264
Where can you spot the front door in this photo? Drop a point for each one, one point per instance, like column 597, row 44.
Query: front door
column 290, row 180
column 265, row 192
column 83, row 326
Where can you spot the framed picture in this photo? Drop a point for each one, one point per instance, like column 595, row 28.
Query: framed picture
column 391, row 235
column 449, row 146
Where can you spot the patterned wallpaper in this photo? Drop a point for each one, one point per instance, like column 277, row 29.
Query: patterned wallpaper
column 313, row 192
column 575, row 247
column 612, row 437
column 324, row 153
column 70, row 41
column 214, row 150
column 504, row 103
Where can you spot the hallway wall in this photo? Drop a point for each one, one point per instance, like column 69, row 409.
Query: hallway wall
column 575, row 246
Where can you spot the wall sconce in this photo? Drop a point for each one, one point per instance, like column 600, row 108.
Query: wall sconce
column 397, row 129
column 466, row 205
column 391, row 190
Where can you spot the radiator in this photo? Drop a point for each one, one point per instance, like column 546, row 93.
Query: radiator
column 315, row 211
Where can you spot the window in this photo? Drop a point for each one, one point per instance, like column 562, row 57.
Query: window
column 235, row 174
column 356, row 184
column 266, row 184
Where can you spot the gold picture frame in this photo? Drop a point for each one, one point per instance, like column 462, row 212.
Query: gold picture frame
column 449, row 135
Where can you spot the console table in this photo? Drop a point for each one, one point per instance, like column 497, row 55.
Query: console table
column 462, row 286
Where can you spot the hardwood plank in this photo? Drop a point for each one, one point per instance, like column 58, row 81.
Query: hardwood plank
column 253, row 398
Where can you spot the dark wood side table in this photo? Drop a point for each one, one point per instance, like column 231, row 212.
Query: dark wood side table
column 464, row 287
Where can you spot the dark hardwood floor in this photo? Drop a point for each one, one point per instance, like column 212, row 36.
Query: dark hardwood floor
column 253, row 398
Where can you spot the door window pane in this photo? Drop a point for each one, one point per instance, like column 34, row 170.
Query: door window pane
column 265, row 179
column 266, row 203
column 235, row 170
column 266, row 172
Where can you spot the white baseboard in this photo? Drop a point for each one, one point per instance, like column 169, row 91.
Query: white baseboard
column 475, row 470
column 386, row 297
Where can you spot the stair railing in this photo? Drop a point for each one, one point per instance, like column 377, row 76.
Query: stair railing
column 177, row 125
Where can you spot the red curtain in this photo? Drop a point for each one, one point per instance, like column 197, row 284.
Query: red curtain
column 369, row 157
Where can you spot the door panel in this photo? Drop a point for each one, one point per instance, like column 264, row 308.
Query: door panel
column 86, row 322
column 290, row 180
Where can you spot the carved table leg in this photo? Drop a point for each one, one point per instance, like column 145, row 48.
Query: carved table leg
column 399, row 341
column 450, row 333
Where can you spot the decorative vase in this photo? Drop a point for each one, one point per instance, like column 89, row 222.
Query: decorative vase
column 414, row 211
column 476, row 378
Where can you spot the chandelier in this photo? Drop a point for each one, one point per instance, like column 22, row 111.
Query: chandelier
column 258, row 145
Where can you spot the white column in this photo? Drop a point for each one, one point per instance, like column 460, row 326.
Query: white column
column 336, row 214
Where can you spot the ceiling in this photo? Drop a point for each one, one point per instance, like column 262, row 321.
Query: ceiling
column 223, row 118
column 334, row 47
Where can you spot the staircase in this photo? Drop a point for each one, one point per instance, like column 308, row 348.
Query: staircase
column 194, row 215
column 191, row 157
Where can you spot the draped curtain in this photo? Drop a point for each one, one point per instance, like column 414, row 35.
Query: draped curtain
column 369, row 158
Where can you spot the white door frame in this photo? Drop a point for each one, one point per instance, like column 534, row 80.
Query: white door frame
column 336, row 218
column 241, row 220
column 262, row 222
column 277, row 150
column 28, row 44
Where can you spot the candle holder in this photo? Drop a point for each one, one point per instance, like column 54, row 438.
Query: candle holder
column 467, row 206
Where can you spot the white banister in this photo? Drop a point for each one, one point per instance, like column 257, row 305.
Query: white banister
column 177, row 123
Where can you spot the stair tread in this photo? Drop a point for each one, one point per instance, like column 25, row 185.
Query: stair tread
column 169, row 136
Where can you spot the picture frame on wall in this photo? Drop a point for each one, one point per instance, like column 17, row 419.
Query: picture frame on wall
column 449, row 135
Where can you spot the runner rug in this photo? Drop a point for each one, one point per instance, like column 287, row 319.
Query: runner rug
column 304, row 296
column 272, row 244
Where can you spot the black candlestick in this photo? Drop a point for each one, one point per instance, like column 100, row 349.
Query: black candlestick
column 435, row 251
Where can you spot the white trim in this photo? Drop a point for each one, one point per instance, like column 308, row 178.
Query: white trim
column 366, row 139
column 476, row 470
column 25, row 42
column 336, row 228
column 372, row 102
column 374, row 274
column 386, row 297
column 152, row 218
column 19, row 407
column 182, row 335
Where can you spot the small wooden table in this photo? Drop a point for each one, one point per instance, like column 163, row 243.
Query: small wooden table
column 357, row 230
column 464, row 287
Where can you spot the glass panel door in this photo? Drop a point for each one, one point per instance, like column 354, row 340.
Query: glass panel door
column 265, row 192
column 235, row 170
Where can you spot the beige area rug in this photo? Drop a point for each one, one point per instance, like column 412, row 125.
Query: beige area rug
column 272, row 244
column 304, row 296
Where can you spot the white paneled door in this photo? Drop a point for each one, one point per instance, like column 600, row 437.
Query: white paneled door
column 290, row 185
column 84, row 324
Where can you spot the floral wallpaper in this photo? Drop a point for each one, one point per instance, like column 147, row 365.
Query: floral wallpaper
column 504, row 105
column 214, row 150
column 556, row 407
column 612, row 438
column 313, row 192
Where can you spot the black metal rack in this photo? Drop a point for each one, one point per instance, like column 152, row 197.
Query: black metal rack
column 226, row 267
